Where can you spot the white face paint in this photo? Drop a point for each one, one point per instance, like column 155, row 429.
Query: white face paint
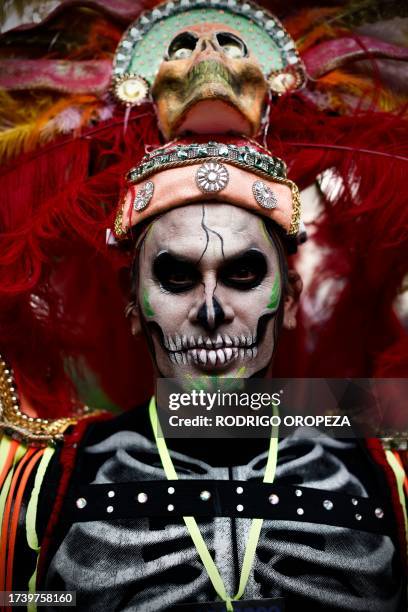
column 209, row 287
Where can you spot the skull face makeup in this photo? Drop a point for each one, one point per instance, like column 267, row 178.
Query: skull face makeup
column 209, row 81
column 210, row 286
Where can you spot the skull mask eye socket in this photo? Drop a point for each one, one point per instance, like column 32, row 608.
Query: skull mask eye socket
column 182, row 46
column 233, row 47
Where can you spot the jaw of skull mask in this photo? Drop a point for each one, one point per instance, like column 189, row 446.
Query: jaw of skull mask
column 209, row 81
column 209, row 282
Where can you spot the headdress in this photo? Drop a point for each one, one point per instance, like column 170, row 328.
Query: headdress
column 239, row 172
column 145, row 43
column 66, row 147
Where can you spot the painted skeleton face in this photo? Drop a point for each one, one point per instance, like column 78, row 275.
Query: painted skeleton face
column 209, row 82
column 209, row 290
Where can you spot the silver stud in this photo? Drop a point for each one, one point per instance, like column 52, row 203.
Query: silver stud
column 273, row 499
column 205, row 495
column 212, row 177
column 298, row 493
column 109, row 509
column 264, row 195
column 354, row 501
column 379, row 513
column 143, row 196
column 142, row 498
column 81, row 502
column 171, row 490
column 111, row 493
column 327, row 504
column 170, row 507
column 300, row 511
column 358, row 517
column 240, row 507
column 239, row 490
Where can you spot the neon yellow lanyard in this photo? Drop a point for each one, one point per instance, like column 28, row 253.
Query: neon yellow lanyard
column 191, row 524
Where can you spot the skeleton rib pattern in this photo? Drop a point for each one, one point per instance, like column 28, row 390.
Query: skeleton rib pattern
column 151, row 564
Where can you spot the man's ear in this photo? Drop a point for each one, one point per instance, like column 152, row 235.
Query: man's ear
column 132, row 313
column 291, row 304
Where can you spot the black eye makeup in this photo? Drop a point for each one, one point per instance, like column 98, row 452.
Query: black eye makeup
column 174, row 274
column 244, row 272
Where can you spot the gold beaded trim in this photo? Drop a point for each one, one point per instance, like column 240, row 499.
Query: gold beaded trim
column 36, row 431
column 121, row 233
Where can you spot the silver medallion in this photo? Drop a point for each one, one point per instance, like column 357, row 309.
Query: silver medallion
column 264, row 195
column 212, row 177
column 143, row 196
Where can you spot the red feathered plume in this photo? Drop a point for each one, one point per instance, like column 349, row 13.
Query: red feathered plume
column 61, row 304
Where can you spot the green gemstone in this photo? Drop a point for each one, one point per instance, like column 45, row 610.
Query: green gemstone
column 202, row 152
column 182, row 154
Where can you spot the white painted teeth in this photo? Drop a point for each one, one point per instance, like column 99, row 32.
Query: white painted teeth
column 221, row 356
column 239, row 345
column 219, row 341
column 212, row 356
column 178, row 342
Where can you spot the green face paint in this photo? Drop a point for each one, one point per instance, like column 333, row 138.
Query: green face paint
column 147, row 308
column 275, row 293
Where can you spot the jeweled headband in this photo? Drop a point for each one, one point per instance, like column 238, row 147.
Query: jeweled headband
column 180, row 174
column 145, row 43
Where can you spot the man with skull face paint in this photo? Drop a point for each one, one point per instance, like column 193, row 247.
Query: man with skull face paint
column 211, row 288
column 211, row 279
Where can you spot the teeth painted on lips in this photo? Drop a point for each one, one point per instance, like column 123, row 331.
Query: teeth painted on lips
column 218, row 342
column 179, row 342
column 221, row 356
column 212, row 357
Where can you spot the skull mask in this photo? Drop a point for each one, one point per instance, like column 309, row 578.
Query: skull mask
column 209, row 82
column 209, row 280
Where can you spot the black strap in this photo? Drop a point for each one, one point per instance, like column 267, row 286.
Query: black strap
column 238, row 499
